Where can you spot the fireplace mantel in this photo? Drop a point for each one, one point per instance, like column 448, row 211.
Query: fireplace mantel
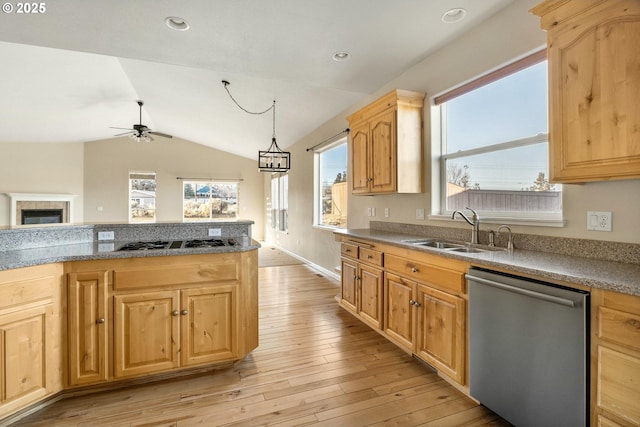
column 16, row 198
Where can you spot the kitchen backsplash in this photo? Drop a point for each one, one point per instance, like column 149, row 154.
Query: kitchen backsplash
column 586, row 248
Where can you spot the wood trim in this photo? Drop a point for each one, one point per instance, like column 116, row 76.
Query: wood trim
column 493, row 76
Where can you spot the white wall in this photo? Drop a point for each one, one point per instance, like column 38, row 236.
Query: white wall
column 41, row 168
column 108, row 163
column 508, row 35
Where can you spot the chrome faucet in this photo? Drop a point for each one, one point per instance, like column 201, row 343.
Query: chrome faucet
column 474, row 222
column 510, row 241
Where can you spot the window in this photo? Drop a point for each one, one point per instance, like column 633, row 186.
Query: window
column 279, row 201
column 494, row 145
column 206, row 201
column 142, row 197
column 331, row 185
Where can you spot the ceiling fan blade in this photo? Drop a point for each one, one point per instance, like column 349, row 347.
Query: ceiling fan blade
column 165, row 135
column 112, row 127
column 124, row 133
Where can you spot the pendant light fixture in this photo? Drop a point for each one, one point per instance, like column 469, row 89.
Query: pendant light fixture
column 273, row 159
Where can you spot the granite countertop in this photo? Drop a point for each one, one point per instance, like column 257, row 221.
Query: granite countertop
column 99, row 250
column 615, row 276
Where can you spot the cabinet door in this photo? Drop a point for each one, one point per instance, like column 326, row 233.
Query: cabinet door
column 594, row 87
column 146, row 332
column 383, row 153
column 360, row 160
column 87, row 320
column 398, row 313
column 441, row 331
column 371, row 284
column 22, row 357
column 349, row 288
column 208, row 324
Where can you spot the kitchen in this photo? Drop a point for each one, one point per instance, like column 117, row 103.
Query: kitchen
column 97, row 171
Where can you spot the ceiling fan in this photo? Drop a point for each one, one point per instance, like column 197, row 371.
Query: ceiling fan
column 140, row 131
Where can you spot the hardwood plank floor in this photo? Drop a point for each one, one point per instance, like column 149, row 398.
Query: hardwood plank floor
column 316, row 365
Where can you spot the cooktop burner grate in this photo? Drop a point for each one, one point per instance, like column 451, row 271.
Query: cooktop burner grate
column 145, row 246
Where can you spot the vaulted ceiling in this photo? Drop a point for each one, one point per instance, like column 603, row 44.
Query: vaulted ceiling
column 70, row 73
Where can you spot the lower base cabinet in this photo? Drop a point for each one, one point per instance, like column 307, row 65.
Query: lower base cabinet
column 399, row 297
column 441, row 339
column 616, row 365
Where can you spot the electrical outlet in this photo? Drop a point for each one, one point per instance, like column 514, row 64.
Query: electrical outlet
column 215, row 232
column 419, row 213
column 368, row 211
column 106, row 235
column 386, row 212
column 599, row 221
column 373, row 211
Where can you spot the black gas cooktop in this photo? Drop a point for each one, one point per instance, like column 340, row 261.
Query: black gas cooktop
column 177, row 244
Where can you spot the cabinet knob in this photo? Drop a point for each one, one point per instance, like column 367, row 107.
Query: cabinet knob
column 175, row 312
column 417, row 304
column 347, row 250
column 412, row 302
column 369, row 256
column 414, row 270
column 184, row 312
column 100, row 321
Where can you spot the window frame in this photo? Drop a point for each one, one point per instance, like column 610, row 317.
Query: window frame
column 440, row 156
column 140, row 175
column 211, row 183
column 317, row 184
column 279, row 202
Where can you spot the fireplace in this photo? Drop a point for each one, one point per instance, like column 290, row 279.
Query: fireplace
column 41, row 216
column 29, row 208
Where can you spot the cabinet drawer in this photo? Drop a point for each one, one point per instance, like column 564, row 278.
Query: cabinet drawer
column 350, row 250
column 620, row 327
column 154, row 276
column 371, row 256
column 435, row 276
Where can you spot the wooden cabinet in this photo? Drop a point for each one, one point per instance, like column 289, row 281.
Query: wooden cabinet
column 386, row 145
column 417, row 300
column 594, row 87
column 30, row 335
column 441, row 331
column 425, row 311
column 399, row 316
column 361, row 291
column 146, row 332
column 616, row 359
column 87, row 323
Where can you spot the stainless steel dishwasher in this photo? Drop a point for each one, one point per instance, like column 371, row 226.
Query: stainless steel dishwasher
column 528, row 349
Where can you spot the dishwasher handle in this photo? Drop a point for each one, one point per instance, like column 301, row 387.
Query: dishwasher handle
column 521, row 291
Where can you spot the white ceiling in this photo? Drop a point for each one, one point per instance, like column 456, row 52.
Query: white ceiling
column 68, row 74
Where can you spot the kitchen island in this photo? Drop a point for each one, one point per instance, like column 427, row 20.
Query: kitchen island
column 85, row 315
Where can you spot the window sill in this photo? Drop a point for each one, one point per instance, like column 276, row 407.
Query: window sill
column 534, row 222
column 326, row 228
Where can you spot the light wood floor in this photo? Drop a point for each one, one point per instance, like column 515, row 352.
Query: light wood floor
column 316, row 365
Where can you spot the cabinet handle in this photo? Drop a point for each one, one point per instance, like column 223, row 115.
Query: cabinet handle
column 369, row 256
column 357, row 277
column 184, row 312
column 347, row 250
column 100, row 321
column 175, row 312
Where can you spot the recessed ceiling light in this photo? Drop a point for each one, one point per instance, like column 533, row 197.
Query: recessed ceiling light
column 341, row 56
column 454, row 15
column 176, row 23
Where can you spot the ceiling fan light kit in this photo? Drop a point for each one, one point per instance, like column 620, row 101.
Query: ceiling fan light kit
column 141, row 132
column 273, row 159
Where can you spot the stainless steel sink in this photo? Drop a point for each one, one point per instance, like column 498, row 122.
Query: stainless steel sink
column 446, row 245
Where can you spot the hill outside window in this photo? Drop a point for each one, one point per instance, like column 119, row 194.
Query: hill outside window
column 494, row 146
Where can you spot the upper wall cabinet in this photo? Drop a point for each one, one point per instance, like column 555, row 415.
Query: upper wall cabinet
column 386, row 145
column 594, row 88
